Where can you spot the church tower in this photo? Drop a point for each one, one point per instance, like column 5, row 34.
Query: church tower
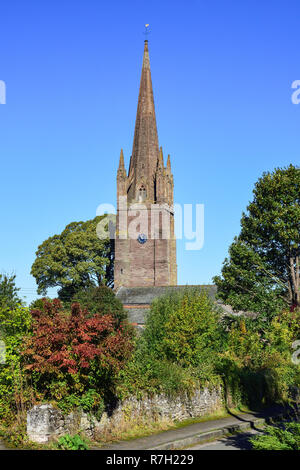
column 145, row 245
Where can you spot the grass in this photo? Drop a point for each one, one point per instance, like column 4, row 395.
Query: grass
column 129, row 430
column 220, row 414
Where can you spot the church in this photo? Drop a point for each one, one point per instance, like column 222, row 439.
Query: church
column 145, row 254
column 145, row 257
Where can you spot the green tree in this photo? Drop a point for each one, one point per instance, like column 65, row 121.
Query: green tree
column 15, row 324
column 262, row 272
column 100, row 300
column 8, row 291
column 9, row 299
column 181, row 328
column 179, row 347
column 74, row 260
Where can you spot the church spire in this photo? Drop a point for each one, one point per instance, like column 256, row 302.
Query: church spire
column 145, row 152
column 145, row 253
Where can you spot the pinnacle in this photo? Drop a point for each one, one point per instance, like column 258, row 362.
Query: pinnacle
column 160, row 163
column 169, row 163
column 121, row 163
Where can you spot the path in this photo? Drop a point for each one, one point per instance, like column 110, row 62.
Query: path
column 196, row 433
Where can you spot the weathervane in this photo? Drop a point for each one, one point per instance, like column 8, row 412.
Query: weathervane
column 147, row 32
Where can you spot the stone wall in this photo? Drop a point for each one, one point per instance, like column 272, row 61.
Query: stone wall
column 44, row 422
column 176, row 408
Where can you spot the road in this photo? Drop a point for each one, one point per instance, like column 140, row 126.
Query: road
column 238, row 441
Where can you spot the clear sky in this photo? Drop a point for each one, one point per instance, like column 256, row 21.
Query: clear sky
column 222, row 74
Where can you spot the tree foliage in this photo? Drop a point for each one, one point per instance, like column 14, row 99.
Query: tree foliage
column 72, row 353
column 187, row 343
column 187, row 330
column 100, row 300
column 262, row 272
column 15, row 324
column 178, row 348
column 73, row 260
column 9, row 297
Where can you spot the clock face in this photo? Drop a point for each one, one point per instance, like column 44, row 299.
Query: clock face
column 142, row 238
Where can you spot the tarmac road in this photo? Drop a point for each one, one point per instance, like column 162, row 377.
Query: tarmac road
column 239, row 441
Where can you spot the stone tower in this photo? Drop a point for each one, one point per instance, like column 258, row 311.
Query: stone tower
column 145, row 245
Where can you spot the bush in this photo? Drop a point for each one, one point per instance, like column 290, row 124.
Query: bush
column 186, row 343
column 68, row 355
column 184, row 329
column 75, row 442
column 100, row 300
column 15, row 323
column 147, row 374
column 256, row 363
column 179, row 346
column 278, row 438
column 14, row 391
column 90, row 401
column 38, row 304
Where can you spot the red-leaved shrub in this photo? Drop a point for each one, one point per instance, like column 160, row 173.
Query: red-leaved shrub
column 75, row 346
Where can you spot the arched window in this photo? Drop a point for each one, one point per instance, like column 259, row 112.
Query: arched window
column 142, row 193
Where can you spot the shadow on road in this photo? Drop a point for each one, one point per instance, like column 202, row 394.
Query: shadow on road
column 240, row 441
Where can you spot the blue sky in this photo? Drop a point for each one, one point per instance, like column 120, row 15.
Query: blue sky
column 222, row 74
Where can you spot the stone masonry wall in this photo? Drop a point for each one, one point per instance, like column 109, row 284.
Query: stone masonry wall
column 176, row 408
column 45, row 423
